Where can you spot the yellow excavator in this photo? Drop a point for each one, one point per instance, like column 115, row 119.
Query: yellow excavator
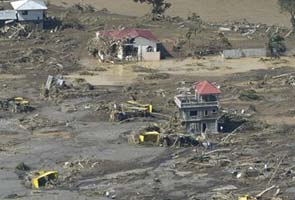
column 130, row 109
column 19, row 104
column 15, row 104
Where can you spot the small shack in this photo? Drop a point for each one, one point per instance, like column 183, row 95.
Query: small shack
column 29, row 10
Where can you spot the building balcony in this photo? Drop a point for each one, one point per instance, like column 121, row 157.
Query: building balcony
column 190, row 101
column 199, row 118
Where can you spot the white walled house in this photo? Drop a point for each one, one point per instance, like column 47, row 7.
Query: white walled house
column 136, row 44
column 7, row 15
column 29, row 10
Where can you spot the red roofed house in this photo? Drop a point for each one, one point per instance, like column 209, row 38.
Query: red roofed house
column 199, row 112
column 136, row 44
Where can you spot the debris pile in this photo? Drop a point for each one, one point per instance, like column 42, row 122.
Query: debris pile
column 248, row 95
column 189, row 45
column 249, row 30
column 17, row 31
column 104, row 49
column 37, row 123
column 81, row 8
column 57, row 87
column 291, row 80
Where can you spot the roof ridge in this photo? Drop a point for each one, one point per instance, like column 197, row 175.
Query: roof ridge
column 24, row 1
column 21, row 4
column 206, row 87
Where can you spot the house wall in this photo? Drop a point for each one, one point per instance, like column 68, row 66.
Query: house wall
column 211, row 126
column 151, row 56
column 120, row 53
column 197, row 127
column 33, row 15
column 196, row 123
column 7, row 15
column 201, row 113
column 239, row 53
column 143, row 44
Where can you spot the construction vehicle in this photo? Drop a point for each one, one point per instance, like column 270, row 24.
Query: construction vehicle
column 136, row 105
column 246, row 197
column 44, row 178
column 148, row 137
column 130, row 109
column 15, row 104
column 19, row 104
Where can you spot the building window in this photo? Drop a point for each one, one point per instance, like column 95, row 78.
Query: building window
column 149, row 49
column 193, row 113
column 214, row 111
column 24, row 12
column 206, row 113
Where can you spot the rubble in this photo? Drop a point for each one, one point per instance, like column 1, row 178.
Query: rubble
column 248, row 95
column 56, row 87
column 17, row 31
column 104, row 49
column 23, row 167
column 71, row 131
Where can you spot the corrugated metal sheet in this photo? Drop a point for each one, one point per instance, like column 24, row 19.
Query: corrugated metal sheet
column 7, row 14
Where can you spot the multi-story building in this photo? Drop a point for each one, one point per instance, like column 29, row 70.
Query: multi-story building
column 199, row 112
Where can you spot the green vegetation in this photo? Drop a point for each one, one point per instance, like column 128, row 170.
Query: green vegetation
column 158, row 7
column 288, row 6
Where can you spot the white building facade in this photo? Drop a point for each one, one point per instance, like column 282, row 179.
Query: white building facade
column 137, row 44
column 29, row 10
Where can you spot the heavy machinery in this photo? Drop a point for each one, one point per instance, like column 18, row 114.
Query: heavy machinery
column 44, row 178
column 149, row 137
column 246, row 197
column 130, row 109
column 16, row 105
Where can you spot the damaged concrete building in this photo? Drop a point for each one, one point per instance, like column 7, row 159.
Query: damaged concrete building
column 199, row 112
column 133, row 44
